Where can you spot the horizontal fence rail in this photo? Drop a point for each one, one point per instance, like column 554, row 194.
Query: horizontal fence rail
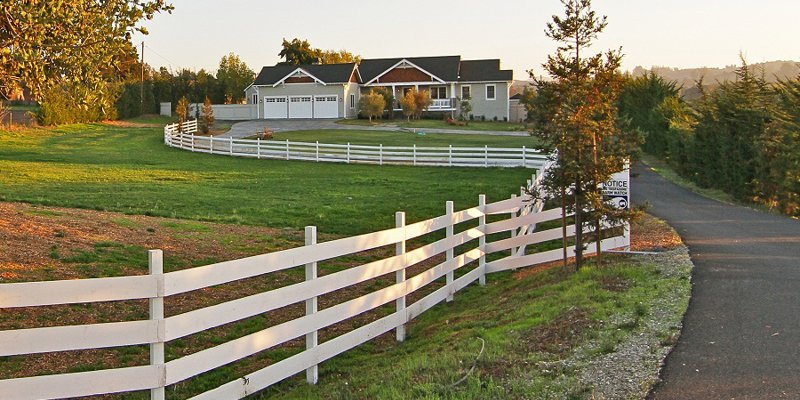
column 350, row 153
column 517, row 220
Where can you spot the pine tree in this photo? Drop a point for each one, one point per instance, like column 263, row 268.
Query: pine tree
column 577, row 118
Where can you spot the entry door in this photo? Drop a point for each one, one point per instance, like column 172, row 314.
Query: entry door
column 275, row 107
column 300, row 107
column 326, row 106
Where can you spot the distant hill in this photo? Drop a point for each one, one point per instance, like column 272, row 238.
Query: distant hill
column 687, row 77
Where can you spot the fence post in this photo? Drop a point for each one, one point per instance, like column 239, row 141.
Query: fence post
column 155, row 262
column 348, row 152
column 414, row 154
column 230, row 148
column 317, row 149
column 287, row 149
column 524, row 157
column 380, row 154
column 486, row 155
column 513, row 231
column 482, row 239
column 450, row 157
column 193, row 136
column 312, row 373
column 211, row 145
column 448, row 210
column 258, row 148
column 400, row 275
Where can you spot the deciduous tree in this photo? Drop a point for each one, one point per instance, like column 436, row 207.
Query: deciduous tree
column 182, row 111
column 208, row 115
column 77, row 43
column 408, row 104
column 422, row 100
column 234, row 76
column 371, row 104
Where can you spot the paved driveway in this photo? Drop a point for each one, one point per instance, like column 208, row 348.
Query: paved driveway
column 741, row 333
column 252, row 127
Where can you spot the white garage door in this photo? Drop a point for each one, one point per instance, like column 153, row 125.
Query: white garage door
column 300, row 107
column 275, row 107
column 326, row 106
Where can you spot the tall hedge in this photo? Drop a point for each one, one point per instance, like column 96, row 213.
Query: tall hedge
column 742, row 137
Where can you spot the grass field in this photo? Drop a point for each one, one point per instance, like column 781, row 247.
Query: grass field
column 543, row 329
column 129, row 169
column 439, row 124
column 393, row 138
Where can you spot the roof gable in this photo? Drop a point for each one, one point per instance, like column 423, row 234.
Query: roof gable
column 443, row 69
column 320, row 73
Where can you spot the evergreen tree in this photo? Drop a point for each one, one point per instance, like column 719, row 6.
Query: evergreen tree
column 640, row 102
column 577, row 118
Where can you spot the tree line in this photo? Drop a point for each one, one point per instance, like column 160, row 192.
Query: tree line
column 742, row 137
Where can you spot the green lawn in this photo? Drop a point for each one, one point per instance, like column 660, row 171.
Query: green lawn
column 541, row 333
column 105, row 167
column 439, row 124
column 394, row 138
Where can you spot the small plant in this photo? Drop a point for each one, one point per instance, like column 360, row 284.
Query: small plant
column 182, row 111
column 266, row 134
column 464, row 108
column 208, row 115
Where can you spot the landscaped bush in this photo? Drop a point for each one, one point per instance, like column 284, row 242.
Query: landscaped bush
column 69, row 104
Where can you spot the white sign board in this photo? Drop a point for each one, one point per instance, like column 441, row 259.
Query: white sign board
column 617, row 189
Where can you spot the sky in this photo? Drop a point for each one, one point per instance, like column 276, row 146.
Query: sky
column 674, row 33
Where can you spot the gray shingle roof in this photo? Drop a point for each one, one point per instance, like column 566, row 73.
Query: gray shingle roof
column 328, row 73
column 484, row 70
column 447, row 68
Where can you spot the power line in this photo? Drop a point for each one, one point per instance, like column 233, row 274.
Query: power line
column 169, row 62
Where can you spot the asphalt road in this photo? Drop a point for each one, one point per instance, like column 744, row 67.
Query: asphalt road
column 741, row 333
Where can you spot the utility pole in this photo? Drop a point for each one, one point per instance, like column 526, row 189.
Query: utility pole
column 141, row 85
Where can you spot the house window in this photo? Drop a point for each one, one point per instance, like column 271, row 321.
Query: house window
column 352, row 100
column 255, row 99
column 465, row 92
column 439, row 92
column 490, row 92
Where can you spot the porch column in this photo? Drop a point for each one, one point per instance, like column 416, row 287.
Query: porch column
column 394, row 94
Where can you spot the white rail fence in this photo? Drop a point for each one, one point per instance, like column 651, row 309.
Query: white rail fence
column 516, row 216
column 349, row 153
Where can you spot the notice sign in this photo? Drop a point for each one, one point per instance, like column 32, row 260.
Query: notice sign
column 617, row 189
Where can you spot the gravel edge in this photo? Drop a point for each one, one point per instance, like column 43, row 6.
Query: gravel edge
column 633, row 368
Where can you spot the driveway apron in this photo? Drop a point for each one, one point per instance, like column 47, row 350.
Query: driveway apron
column 741, row 333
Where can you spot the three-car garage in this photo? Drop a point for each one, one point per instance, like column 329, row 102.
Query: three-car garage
column 317, row 106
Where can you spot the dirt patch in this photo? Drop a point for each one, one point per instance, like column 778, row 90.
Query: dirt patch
column 129, row 124
column 559, row 336
column 614, row 283
column 38, row 243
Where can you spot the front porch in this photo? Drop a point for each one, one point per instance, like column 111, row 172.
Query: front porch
column 442, row 96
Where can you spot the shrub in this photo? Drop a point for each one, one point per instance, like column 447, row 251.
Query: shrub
column 69, row 104
column 371, row 104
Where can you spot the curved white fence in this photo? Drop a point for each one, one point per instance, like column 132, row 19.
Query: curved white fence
column 349, row 153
